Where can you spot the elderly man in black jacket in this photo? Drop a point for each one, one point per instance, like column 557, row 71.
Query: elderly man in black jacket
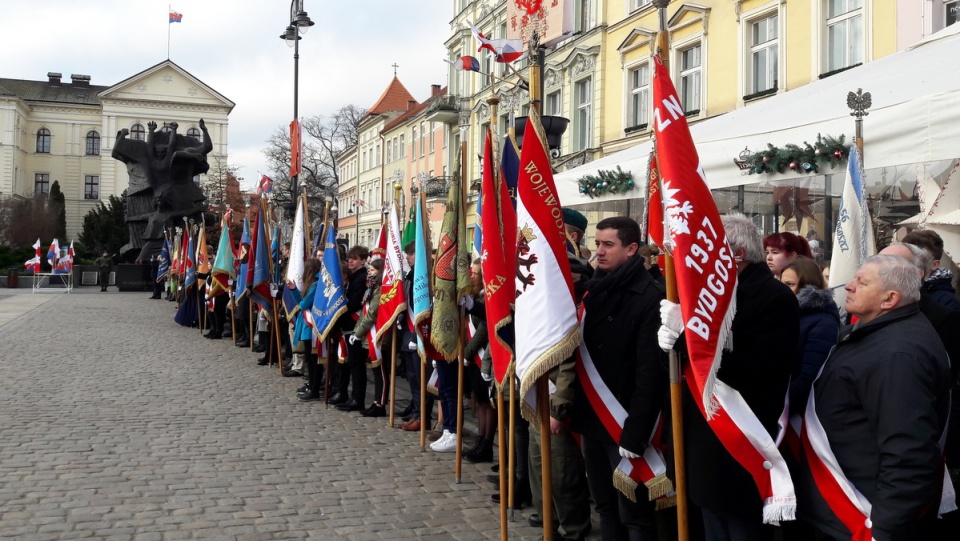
column 881, row 400
column 765, row 333
column 620, row 325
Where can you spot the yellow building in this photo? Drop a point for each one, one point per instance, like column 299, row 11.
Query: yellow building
column 56, row 130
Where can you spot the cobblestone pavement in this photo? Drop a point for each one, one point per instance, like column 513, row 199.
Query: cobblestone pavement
column 116, row 423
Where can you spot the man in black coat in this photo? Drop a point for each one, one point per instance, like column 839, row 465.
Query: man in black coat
column 882, row 400
column 356, row 367
column 765, row 333
column 620, row 325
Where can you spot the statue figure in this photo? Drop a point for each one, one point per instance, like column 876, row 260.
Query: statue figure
column 162, row 190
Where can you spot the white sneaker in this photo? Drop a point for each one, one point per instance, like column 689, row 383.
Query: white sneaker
column 446, row 444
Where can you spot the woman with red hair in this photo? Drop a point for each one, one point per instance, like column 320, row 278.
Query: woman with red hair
column 782, row 249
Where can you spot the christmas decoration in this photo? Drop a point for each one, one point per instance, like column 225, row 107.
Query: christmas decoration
column 807, row 158
column 795, row 202
column 605, row 182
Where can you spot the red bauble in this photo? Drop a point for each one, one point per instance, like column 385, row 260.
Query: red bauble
column 838, row 154
column 793, row 165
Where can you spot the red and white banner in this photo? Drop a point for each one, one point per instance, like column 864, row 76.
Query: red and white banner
column 546, row 325
column 393, row 299
column 706, row 277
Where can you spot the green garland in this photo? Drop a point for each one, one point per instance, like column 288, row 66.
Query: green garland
column 805, row 159
column 605, row 182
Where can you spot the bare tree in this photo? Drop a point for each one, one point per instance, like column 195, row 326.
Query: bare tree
column 324, row 137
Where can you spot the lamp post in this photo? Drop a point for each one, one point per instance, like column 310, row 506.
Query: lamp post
column 299, row 24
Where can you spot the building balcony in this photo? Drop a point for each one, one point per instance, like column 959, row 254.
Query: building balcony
column 436, row 187
column 445, row 109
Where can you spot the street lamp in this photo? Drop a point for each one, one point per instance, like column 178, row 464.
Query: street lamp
column 299, row 24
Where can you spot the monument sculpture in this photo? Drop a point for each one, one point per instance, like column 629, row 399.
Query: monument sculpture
column 161, row 191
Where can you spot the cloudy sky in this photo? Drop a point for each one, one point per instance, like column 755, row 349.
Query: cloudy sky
column 234, row 47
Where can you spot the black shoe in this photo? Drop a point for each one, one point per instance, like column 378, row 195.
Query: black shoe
column 405, row 412
column 482, row 452
column 243, row 342
column 213, row 335
column 535, row 521
column 303, row 388
column 292, row 374
column 308, row 397
column 337, row 399
column 375, row 411
column 262, row 361
column 259, row 348
column 495, row 479
column 350, row 405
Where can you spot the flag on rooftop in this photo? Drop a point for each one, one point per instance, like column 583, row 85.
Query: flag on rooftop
column 175, row 17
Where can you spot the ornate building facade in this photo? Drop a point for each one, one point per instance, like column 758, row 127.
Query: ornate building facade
column 55, row 130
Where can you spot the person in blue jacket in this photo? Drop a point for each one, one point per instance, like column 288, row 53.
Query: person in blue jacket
column 303, row 332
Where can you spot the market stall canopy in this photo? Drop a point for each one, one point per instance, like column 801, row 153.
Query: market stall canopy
column 915, row 118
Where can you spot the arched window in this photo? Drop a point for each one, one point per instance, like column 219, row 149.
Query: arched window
column 43, row 140
column 137, row 133
column 195, row 133
column 93, row 143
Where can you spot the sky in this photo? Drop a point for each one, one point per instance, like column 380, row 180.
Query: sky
column 234, row 46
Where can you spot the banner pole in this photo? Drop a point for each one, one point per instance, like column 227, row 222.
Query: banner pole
column 502, row 451
column 676, row 394
column 393, row 374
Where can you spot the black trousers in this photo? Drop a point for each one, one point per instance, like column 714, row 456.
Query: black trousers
column 620, row 518
column 355, row 370
column 219, row 318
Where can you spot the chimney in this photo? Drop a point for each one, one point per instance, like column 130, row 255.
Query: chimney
column 80, row 80
column 411, row 104
column 54, row 77
column 435, row 91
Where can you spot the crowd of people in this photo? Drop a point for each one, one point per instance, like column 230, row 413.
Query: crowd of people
column 856, row 396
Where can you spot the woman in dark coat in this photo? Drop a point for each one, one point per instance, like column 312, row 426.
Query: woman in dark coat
column 819, row 326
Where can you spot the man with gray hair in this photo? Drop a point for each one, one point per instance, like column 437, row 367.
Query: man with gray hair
column 946, row 323
column 765, row 333
column 871, row 461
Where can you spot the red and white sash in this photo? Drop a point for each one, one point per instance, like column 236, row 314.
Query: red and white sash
column 650, row 469
column 373, row 351
column 850, row 506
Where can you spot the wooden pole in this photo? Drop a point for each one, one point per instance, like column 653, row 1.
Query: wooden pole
column 459, row 461
column 423, row 404
column 676, row 391
column 393, row 374
column 502, row 450
column 512, row 446
column 543, row 393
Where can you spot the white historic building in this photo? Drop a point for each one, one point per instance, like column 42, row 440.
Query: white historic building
column 58, row 130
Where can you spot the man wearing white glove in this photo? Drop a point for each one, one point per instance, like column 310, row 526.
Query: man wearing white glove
column 620, row 322
column 765, row 333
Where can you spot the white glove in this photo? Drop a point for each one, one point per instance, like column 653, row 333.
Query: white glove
column 433, row 364
column 467, row 302
column 353, row 339
column 628, row 454
column 667, row 337
column 670, row 315
column 273, row 289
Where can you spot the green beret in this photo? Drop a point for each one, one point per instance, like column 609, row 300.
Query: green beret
column 574, row 218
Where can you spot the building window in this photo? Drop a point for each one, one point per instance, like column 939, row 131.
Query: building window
column 639, row 102
column 137, row 133
column 403, row 149
column 195, row 133
column 764, row 54
column 637, row 4
column 41, row 184
column 953, row 12
column 165, row 128
column 378, row 154
column 584, row 15
column 93, row 144
column 43, row 140
column 690, row 82
column 430, row 129
column 584, row 95
column 91, row 187
column 844, row 33
column 423, row 139
column 553, row 105
column 389, row 151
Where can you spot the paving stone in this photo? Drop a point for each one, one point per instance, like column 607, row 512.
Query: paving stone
column 133, row 427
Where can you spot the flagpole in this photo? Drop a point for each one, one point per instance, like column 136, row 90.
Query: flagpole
column 168, row 31
column 543, row 392
column 331, row 343
column 676, row 395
